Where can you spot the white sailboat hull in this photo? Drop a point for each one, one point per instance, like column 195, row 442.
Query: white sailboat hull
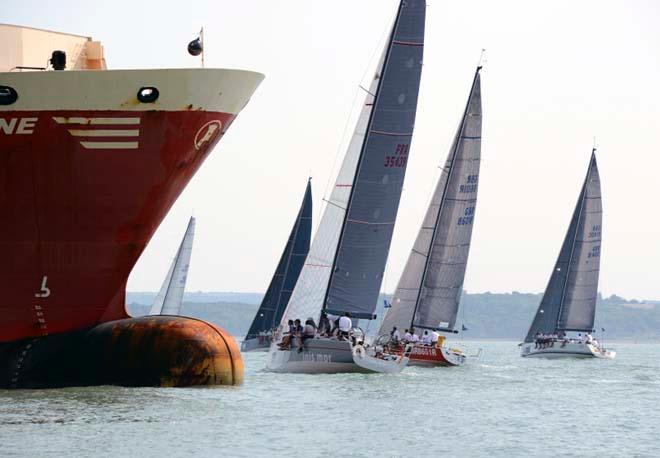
column 328, row 356
column 568, row 350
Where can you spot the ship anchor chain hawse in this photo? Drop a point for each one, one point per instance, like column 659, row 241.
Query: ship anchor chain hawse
column 91, row 161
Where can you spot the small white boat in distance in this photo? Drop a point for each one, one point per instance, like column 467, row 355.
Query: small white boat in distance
column 565, row 318
column 170, row 297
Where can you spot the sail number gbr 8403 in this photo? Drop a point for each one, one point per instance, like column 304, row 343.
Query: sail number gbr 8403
column 400, row 156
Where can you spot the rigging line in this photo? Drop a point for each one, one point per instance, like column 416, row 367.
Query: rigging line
column 481, row 60
column 374, row 55
column 367, row 91
column 329, row 202
column 383, row 68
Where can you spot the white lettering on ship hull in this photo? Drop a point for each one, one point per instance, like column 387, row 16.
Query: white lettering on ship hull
column 18, row 126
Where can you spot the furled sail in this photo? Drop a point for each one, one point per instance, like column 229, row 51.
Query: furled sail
column 170, row 297
column 288, row 269
column 429, row 290
column 344, row 269
column 569, row 301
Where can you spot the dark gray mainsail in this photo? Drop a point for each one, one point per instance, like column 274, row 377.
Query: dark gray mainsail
column 429, row 290
column 288, row 269
column 354, row 234
column 569, row 301
column 366, row 234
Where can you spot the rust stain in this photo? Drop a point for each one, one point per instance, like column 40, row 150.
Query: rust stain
column 132, row 102
column 176, row 351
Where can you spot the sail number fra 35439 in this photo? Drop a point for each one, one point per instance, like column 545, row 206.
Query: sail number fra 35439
column 400, row 156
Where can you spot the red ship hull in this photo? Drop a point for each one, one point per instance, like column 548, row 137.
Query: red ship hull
column 76, row 219
column 88, row 170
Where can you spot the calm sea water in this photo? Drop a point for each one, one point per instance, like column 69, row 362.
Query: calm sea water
column 499, row 405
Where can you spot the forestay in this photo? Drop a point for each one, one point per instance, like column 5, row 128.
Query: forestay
column 170, row 297
column 375, row 163
column 288, row 269
column 569, row 301
column 367, row 232
column 429, row 290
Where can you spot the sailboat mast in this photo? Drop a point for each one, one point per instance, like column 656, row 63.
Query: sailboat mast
column 364, row 142
column 442, row 200
column 570, row 258
column 278, row 304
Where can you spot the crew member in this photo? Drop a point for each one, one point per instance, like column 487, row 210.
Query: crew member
column 426, row 338
column 344, row 324
column 309, row 332
column 395, row 337
column 435, row 336
column 324, row 325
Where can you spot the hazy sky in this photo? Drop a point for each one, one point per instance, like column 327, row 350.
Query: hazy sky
column 558, row 73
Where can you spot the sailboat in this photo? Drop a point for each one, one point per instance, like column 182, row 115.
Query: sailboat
column 170, row 297
column 344, row 268
column 565, row 318
column 428, row 294
column 277, row 296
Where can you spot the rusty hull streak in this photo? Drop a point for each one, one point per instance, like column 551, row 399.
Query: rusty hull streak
column 166, row 351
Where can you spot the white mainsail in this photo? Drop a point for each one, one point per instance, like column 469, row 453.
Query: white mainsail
column 170, row 297
column 308, row 295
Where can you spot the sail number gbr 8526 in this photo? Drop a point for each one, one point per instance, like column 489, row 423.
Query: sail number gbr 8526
column 400, row 156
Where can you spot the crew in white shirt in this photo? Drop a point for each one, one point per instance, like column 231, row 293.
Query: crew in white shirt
column 426, row 338
column 407, row 336
column 434, row 337
column 415, row 338
column 345, row 324
column 395, row 335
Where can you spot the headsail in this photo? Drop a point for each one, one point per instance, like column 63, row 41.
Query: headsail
column 569, row 301
column 344, row 269
column 288, row 269
column 170, row 297
column 429, row 290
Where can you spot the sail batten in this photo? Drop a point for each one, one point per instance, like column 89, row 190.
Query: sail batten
column 354, row 235
column 287, row 272
column 569, row 301
column 429, row 290
column 170, row 297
